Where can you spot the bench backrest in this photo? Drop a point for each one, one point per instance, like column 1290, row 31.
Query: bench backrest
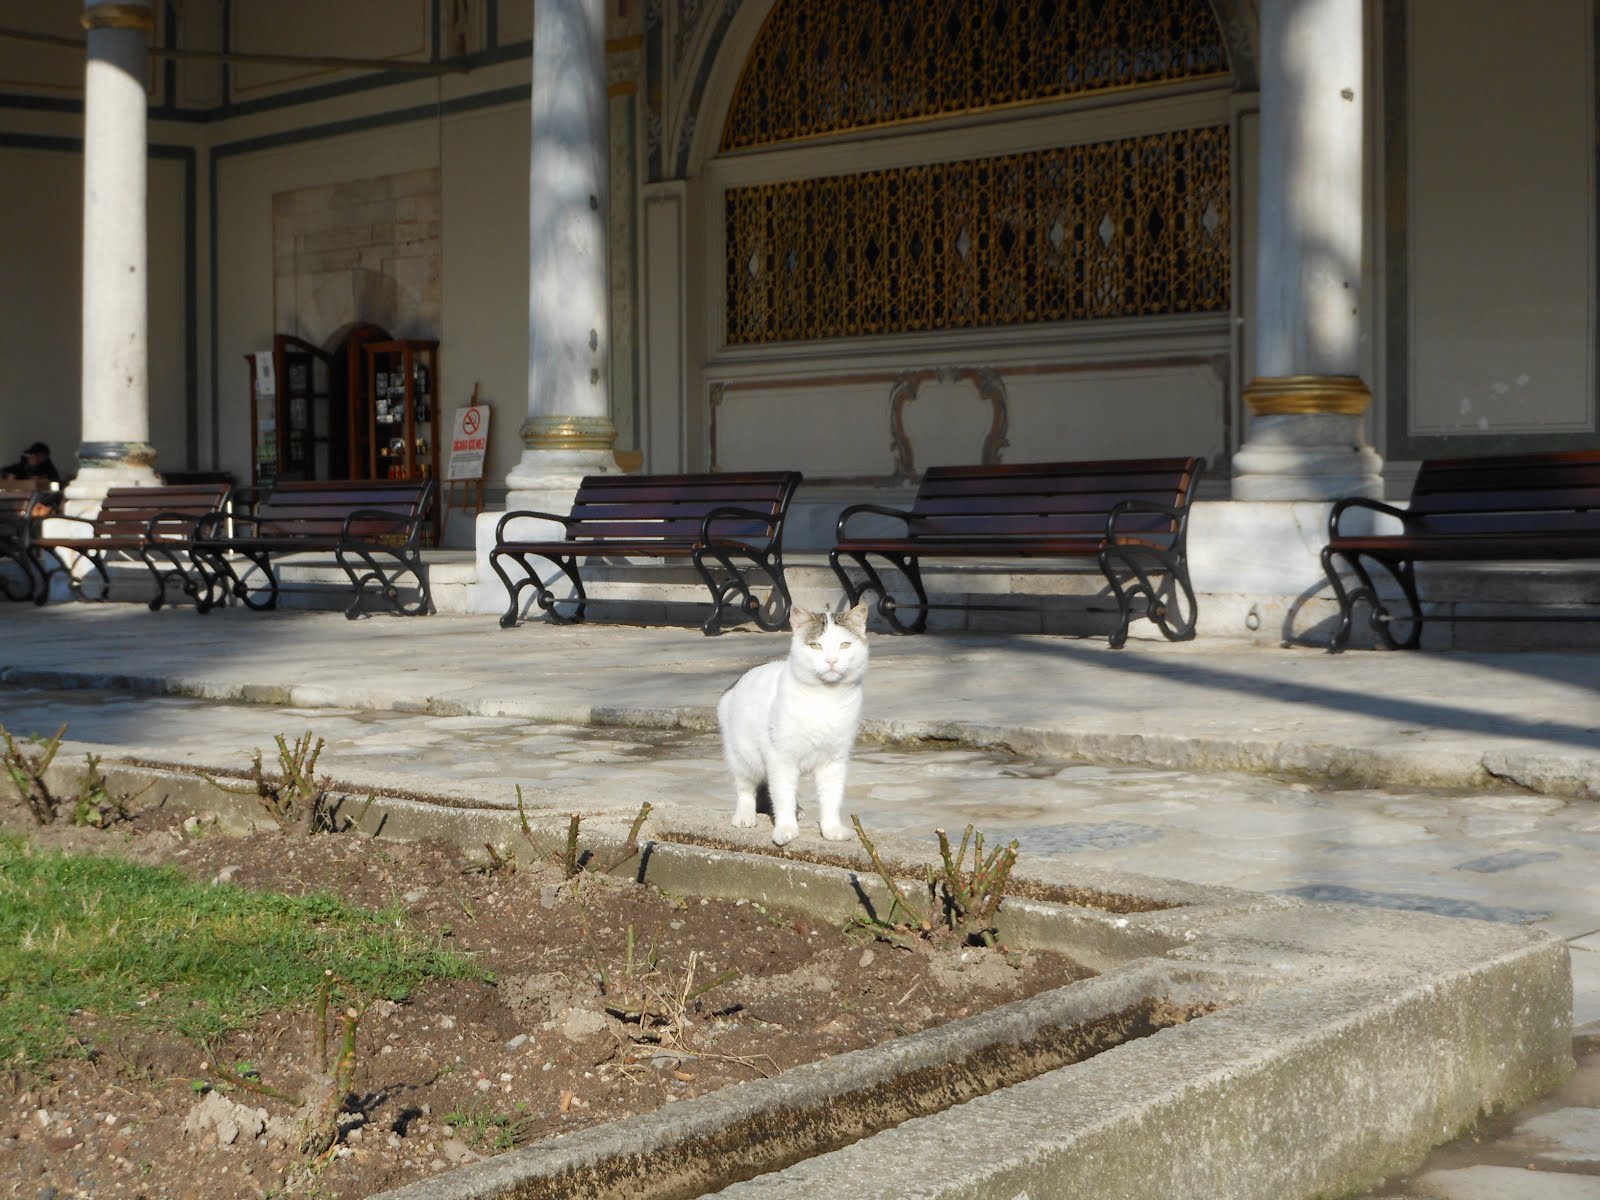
column 1509, row 493
column 1030, row 501
column 16, row 500
column 318, row 509
column 673, row 507
column 126, row 511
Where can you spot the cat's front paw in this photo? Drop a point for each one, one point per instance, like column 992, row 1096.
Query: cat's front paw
column 744, row 820
column 784, row 832
column 837, row 832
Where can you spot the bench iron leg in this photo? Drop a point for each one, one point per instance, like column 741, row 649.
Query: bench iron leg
column 213, row 578
column 1345, row 596
column 736, row 585
column 173, row 572
column 546, row 598
column 222, row 580
column 888, row 607
column 47, row 561
column 385, row 582
column 9, row 587
column 1383, row 621
column 1168, row 601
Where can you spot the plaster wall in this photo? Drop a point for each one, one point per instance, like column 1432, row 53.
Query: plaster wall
column 1501, row 222
column 481, row 155
column 41, row 332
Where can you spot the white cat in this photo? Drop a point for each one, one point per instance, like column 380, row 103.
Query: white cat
column 796, row 719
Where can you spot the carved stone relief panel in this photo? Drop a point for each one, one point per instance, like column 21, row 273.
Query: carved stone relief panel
column 959, row 417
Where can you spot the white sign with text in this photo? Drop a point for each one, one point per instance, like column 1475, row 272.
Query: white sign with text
column 469, row 441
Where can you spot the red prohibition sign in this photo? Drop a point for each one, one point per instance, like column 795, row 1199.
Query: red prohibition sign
column 470, row 420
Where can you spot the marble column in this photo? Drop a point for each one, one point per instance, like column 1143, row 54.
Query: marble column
column 115, row 447
column 1307, row 398
column 569, row 432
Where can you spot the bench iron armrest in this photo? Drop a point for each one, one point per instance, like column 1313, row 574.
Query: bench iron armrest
column 212, row 525
column 189, row 522
column 773, row 523
column 1179, row 516
column 899, row 514
column 1349, row 502
column 500, row 525
column 409, row 524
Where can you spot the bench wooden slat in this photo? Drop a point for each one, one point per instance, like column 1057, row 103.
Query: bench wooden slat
column 1021, row 527
column 589, row 514
column 1054, row 481
column 611, row 547
column 1057, row 504
column 1544, row 499
column 707, row 496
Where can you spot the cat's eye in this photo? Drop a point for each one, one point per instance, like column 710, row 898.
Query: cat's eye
column 815, row 645
column 844, row 645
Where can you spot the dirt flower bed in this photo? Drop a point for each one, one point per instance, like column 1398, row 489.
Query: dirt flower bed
column 594, row 1005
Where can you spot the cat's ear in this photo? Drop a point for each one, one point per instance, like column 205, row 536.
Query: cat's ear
column 804, row 621
column 855, row 619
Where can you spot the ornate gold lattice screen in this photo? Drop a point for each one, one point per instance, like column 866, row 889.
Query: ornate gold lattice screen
column 1132, row 227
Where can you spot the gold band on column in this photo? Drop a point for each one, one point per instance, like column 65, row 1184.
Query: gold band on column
column 569, row 433
column 119, row 16
column 1271, row 395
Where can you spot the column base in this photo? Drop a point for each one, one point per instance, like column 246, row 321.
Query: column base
column 548, row 479
column 89, row 486
column 1257, row 571
column 1306, row 441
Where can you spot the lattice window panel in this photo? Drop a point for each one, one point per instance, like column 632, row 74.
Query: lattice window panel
column 825, row 66
column 1134, row 227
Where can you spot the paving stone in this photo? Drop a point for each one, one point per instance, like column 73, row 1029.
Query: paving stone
column 1566, row 1135
column 1505, row 1183
column 1444, row 906
column 1507, row 860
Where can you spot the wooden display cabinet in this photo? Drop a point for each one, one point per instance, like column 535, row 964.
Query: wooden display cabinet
column 290, row 413
column 351, row 371
column 403, row 420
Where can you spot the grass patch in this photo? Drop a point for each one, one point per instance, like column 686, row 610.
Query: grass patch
column 109, row 937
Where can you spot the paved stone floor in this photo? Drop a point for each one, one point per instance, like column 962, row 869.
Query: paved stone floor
column 1490, row 855
column 456, row 705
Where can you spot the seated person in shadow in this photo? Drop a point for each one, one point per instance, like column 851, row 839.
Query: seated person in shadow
column 35, row 464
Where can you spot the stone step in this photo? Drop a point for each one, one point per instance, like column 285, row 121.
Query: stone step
column 1069, row 599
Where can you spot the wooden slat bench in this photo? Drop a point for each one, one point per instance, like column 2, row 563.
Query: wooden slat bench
column 154, row 525
column 1130, row 515
column 17, row 579
column 1501, row 509
column 373, row 529
column 709, row 519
